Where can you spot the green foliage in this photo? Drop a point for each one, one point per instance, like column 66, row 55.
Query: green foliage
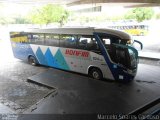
column 140, row 14
column 49, row 14
column 19, row 19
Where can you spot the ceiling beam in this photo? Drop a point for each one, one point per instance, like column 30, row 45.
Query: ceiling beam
column 143, row 5
column 79, row 2
column 63, row 2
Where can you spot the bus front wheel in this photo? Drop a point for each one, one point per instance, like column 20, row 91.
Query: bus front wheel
column 95, row 73
column 32, row 60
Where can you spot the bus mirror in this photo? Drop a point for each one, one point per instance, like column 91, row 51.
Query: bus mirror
column 137, row 44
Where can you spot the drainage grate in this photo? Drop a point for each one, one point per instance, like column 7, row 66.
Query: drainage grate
column 20, row 96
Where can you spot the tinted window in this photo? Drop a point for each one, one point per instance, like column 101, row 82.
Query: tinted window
column 106, row 41
column 87, row 42
column 36, row 39
column 68, row 41
column 52, row 40
column 19, row 37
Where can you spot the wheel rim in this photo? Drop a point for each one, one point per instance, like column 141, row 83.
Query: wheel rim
column 32, row 61
column 95, row 75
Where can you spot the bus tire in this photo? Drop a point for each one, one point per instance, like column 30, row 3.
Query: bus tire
column 95, row 73
column 32, row 60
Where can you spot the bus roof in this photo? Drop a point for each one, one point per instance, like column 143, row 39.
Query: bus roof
column 81, row 31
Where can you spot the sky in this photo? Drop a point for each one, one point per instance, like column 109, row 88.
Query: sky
column 11, row 8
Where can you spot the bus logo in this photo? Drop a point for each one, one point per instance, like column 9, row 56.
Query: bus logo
column 77, row 53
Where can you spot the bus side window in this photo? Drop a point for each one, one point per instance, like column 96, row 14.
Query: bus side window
column 19, row 37
column 37, row 39
column 30, row 38
column 52, row 40
column 71, row 42
column 68, row 41
column 88, row 43
column 82, row 44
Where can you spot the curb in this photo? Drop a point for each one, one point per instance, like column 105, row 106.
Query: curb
column 150, row 58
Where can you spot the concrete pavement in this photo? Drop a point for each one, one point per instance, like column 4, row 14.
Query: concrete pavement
column 149, row 55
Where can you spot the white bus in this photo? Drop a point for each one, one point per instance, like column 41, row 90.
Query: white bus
column 100, row 53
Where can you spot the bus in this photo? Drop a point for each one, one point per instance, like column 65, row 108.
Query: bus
column 98, row 52
column 133, row 29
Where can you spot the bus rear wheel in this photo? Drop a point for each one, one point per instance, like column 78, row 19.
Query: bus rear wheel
column 32, row 60
column 95, row 73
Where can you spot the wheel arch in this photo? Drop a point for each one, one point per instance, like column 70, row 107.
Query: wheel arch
column 30, row 55
column 93, row 66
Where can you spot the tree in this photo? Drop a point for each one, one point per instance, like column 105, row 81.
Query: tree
column 20, row 20
column 140, row 14
column 49, row 14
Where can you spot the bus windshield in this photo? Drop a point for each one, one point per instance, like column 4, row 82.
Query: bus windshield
column 133, row 59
